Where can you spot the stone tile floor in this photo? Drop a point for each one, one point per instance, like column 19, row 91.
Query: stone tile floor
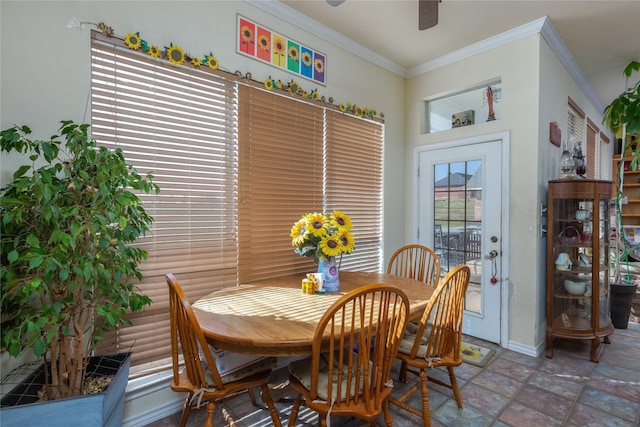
column 512, row 390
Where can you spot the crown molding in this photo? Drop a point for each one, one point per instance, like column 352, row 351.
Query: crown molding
column 293, row 17
column 493, row 42
column 552, row 37
column 542, row 25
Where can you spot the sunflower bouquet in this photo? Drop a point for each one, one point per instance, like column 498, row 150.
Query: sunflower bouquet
column 320, row 235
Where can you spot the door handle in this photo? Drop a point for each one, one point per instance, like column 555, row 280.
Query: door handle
column 493, row 254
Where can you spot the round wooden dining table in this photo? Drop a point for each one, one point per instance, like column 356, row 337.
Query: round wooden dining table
column 275, row 318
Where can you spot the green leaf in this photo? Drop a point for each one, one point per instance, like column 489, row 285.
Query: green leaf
column 33, row 241
column 13, row 256
column 36, row 261
column 21, row 171
column 39, row 347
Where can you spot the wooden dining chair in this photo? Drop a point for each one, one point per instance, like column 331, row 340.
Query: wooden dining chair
column 353, row 350
column 435, row 341
column 200, row 378
column 415, row 262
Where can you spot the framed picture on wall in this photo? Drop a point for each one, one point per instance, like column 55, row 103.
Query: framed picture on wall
column 464, row 118
column 277, row 50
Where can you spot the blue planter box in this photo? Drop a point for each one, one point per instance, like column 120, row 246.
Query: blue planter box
column 20, row 409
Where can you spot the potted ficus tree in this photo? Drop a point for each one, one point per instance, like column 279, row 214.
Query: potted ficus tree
column 68, row 271
column 622, row 117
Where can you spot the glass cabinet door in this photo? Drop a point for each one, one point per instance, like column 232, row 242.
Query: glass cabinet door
column 578, row 262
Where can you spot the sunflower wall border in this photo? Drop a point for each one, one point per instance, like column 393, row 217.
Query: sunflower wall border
column 178, row 57
column 268, row 46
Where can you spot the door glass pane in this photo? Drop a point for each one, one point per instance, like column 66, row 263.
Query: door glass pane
column 458, row 222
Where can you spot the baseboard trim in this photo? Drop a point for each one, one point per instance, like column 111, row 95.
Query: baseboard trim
column 526, row 349
column 154, row 414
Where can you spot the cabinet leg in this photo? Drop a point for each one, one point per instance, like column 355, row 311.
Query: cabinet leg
column 607, row 340
column 549, row 346
column 595, row 356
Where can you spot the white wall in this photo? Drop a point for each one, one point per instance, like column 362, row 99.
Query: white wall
column 45, row 75
column 516, row 65
column 45, row 78
column 535, row 89
column 556, row 86
column 45, row 68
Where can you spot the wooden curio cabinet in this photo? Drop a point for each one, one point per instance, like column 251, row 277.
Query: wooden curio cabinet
column 578, row 263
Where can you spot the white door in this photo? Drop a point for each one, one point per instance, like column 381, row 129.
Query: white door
column 460, row 216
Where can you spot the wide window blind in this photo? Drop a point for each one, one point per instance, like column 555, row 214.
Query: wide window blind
column 281, row 178
column 181, row 125
column 354, row 184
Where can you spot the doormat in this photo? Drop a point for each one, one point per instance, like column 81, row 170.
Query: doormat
column 476, row 354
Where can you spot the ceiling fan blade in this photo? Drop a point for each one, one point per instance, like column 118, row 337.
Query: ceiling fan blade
column 335, row 2
column 427, row 13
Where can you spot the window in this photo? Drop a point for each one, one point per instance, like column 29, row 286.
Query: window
column 606, row 153
column 575, row 122
column 174, row 122
column 281, row 177
column 237, row 166
column 440, row 111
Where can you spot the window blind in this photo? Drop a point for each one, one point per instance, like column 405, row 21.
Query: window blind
column 592, row 150
column 354, row 185
column 237, row 166
column 575, row 126
column 281, row 178
column 606, row 153
column 180, row 124
column 575, row 121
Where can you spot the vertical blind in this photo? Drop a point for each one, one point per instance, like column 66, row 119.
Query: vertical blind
column 237, row 166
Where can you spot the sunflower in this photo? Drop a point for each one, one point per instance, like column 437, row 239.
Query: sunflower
column 279, row 84
column 268, row 84
column 299, row 232
column 314, row 95
column 331, row 245
column 247, row 34
column 294, row 87
column 279, row 47
column 133, row 41
column 322, row 235
column 340, row 220
column 318, row 224
column 175, row 54
column 347, row 240
column 155, row 52
column 263, row 42
column 195, row 61
column 319, row 66
column 358, row 111
column 343, row 108
column 470, row 352
column 306, row 59
column 293, row 53
column 211, row 61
